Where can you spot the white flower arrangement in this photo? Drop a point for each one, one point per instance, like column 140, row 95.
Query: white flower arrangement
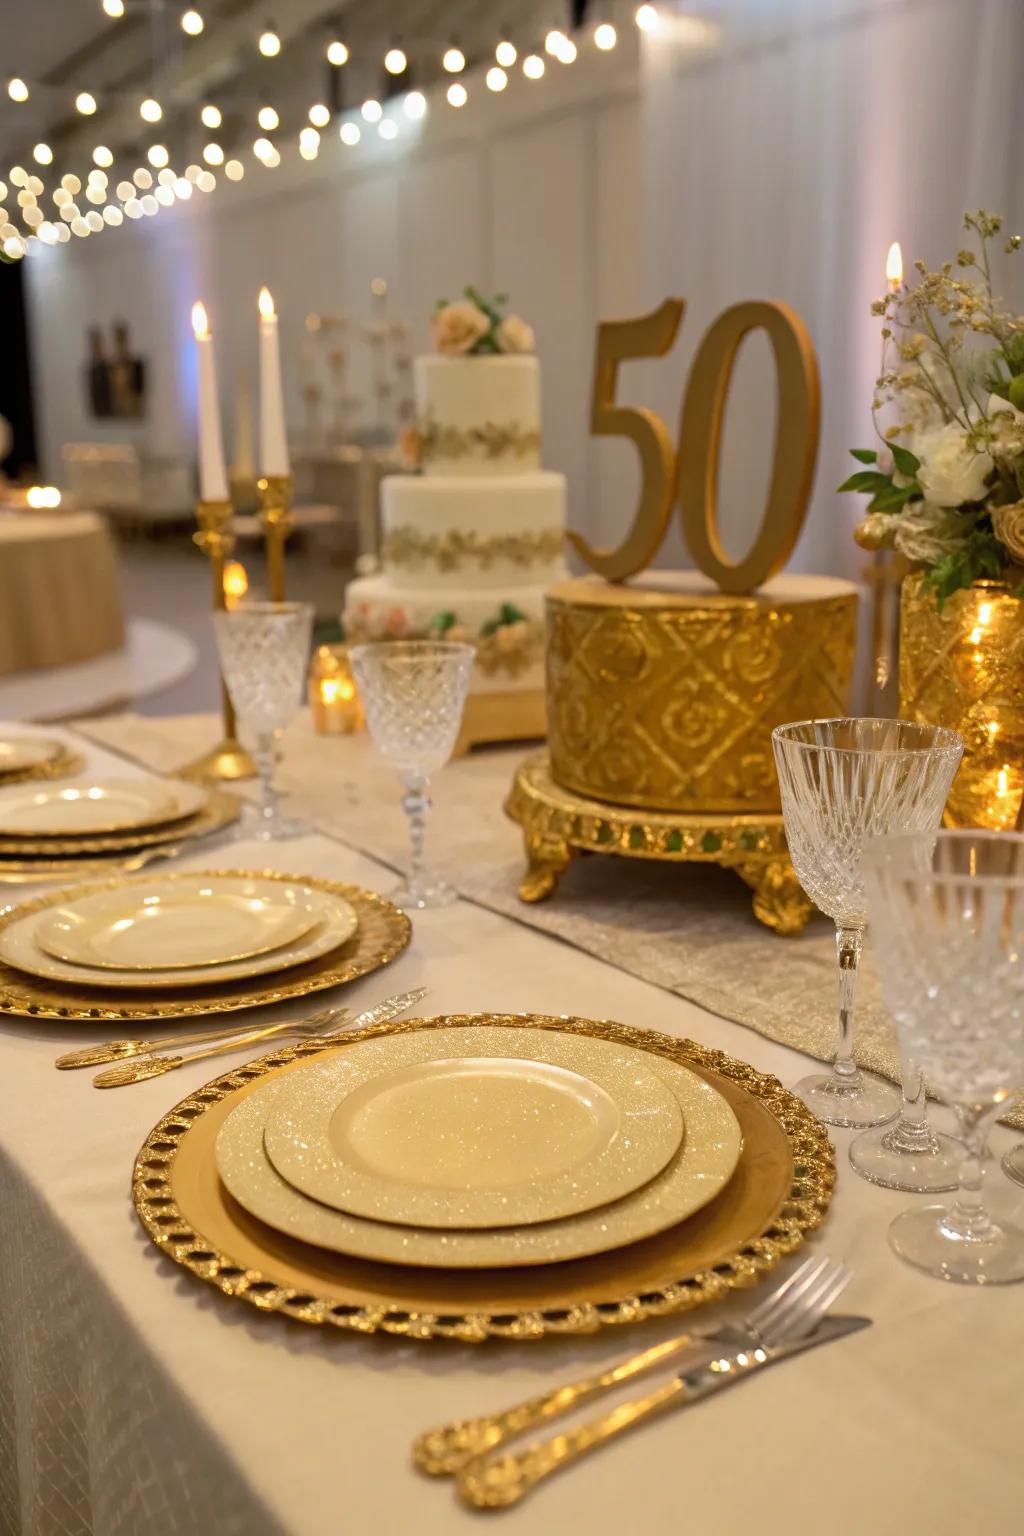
column 947, row 484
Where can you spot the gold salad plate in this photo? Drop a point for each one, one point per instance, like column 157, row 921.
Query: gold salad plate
column 382, row 932
column 93, row 807
column 219, row 809
column 780, row 1190
column 23, row 754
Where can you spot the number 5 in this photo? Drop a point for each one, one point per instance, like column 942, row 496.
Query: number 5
column 647, row 336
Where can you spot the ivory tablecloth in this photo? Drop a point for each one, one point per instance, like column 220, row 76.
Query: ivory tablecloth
column 60, row 601
column 135, row 1400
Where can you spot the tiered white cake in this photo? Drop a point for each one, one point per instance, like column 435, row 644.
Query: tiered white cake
column 470, row 546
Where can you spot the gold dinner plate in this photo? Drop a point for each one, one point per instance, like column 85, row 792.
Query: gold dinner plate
column 97, row 806
column 382, row 932
column 697, row 1172
column 156, row 925
column 24, row 853
column 780, row 1190
column 476, row 1128
column 19, row 754
column 333, row 924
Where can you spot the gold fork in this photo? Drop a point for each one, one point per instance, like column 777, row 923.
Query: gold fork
column 117, row 1050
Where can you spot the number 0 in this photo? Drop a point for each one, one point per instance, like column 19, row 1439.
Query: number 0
column 796, row 443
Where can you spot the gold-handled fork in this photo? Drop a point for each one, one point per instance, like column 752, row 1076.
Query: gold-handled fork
column 118, row 1050
column 495, row 1482
column 444, row 1451
column 82, row 867
column 136, row 1069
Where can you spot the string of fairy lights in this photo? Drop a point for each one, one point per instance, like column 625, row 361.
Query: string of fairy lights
column 112, row 199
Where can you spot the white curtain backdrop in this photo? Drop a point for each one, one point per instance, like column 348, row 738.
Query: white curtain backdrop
column 786, row 144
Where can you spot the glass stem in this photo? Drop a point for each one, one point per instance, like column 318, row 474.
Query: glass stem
column 968, row 1217
column 416, row 805
column 849, row 943
column 265, row 753
column 911, row 1132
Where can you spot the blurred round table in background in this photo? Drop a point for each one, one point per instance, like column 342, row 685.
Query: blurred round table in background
column 60, row 601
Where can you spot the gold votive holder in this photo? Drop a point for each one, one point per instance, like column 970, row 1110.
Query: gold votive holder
column 333, row 695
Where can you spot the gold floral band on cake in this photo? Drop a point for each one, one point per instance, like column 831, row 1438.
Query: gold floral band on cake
column 491, row 440
column 455, row 549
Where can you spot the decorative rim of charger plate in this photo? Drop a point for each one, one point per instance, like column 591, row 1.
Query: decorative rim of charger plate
column 801, row 1211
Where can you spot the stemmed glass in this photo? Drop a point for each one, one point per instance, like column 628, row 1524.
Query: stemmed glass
column 948, row 909
column 413, row 692
column 844, row 781
column 264, row 653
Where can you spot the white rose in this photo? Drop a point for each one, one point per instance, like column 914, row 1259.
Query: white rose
column 924, row 533
column 514, row 335
column 997, row 406
column 458, row 327
column 952, row 471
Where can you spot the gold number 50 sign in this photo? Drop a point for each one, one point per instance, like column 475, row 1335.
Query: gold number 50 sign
column 690, row 475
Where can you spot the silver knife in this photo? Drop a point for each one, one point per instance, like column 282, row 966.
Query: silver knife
column 492, row 1482
column 389, row 1009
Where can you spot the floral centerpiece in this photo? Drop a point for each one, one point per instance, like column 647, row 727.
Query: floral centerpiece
column 475, row 326
column 946, row 487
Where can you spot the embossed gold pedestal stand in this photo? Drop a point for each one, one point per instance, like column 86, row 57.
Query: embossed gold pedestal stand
column 558, row 825
column 228, row 760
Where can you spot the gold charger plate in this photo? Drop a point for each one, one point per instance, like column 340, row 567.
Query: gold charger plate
column 220, row 809
column 64, row 766
column 781, row 1189
column 382, row 933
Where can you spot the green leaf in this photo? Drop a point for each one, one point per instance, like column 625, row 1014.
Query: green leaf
column 866, row 480
column 906, row 462
column 442, row 622
column 510, row 614
column 981, row 557
column 894, row 498
column 865, row 455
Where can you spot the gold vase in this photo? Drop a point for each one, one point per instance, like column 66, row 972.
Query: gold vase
column 964, row 667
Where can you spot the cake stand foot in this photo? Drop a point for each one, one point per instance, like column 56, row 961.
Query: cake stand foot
column 779, row 899
column 547, row 859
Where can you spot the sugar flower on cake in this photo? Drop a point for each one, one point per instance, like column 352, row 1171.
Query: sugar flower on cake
column 946, row 484
column 477, row 326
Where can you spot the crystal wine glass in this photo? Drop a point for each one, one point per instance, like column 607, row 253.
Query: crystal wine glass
column 264, row 653
column 948, row 908
column 844, row 781
column 413, row 692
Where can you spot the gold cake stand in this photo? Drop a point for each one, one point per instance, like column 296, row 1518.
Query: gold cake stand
column 559, row 824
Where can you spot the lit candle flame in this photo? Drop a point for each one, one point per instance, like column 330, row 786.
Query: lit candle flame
column 894, row 266
column 984, row 613
column 236, row 583
column 266, row 303
column 200, row 323
column 1002, row 781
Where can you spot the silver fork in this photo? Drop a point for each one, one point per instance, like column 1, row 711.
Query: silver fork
column 443, row 1451
column 491, row 1482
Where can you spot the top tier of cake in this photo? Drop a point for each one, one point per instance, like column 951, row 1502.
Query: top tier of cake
column 478, row 415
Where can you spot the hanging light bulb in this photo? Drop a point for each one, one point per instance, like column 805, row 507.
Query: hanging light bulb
column 234, row 170
column 372, row 111
column 133, row 208
column 388, row 129
column 349, row 133
column 647, row 18
column 272, row 160
column 192, row 172
column 269, row 43
column 309, row 143
column 80, row 227
column 35, row 186
column 19, row 176
column 192, row 23
column 114, row 8
column 94, row 220
column 47, row 233
column 268, row 119
column 414, row 105
column 112, row 216
column 17, row 90
column 213, row 154
column 605, row 36
column 157, row 155
column 457, row 94
column 149, row 205
column 125, row 190
column 101, row 155
column 555, row 42
column 453, row 60
column 206, row 181
column 142, row 178
column 85, row 102
column 533, row 66
column 42, row 154
column 211, row 116
column 262, row 148
column 95, row 193
column 151, row 111
column 164, row 196
column 182, row 189
column 496, row 78
column 63, row 234
column 319, row 115
column 395, row 61
column 337, row 53
column 568, row 52
column 506, row 55
column 69, row 181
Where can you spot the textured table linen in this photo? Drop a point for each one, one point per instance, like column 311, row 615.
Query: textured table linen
column 60, row 601
column 134, row 1399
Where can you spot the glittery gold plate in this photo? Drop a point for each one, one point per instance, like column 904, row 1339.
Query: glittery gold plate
column 61, row 767
column 781, row 1190
column 219, row 811
column 382, row 933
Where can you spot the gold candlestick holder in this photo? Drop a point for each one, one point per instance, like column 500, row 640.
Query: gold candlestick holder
column 276, row 501
column 229, row 759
